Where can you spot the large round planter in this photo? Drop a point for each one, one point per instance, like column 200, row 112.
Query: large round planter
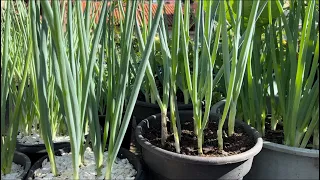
column 123, row 153
column 277, row 161
column 143, row 109
column 37, row 151
column 169, row 165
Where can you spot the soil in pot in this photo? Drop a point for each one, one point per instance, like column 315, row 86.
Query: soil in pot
column 126, row 166
column 20, row 167
column 239, row 142
column 277, row 135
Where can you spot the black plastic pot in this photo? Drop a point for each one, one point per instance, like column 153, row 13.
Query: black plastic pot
column 24, row 161
column 277, row 161
column 273, row 160
column 37, row 151
column 169, row 165
column 143, row 109
column 127, row 137
column 123, row 153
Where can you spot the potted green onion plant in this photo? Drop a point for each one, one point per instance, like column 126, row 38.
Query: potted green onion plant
column 29, row 138
column 14, row 164
column 75, row 58
column 285, row 74
column 196, row 145
column 298, row 99
column 104, row 80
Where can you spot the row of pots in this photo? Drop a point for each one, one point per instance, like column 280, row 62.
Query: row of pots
column 275, row 161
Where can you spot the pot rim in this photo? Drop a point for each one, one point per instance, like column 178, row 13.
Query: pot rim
column 313, row 153
column 197, row 159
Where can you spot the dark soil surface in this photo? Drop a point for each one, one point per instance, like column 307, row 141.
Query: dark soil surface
column 239, row 142
column 275, row 136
